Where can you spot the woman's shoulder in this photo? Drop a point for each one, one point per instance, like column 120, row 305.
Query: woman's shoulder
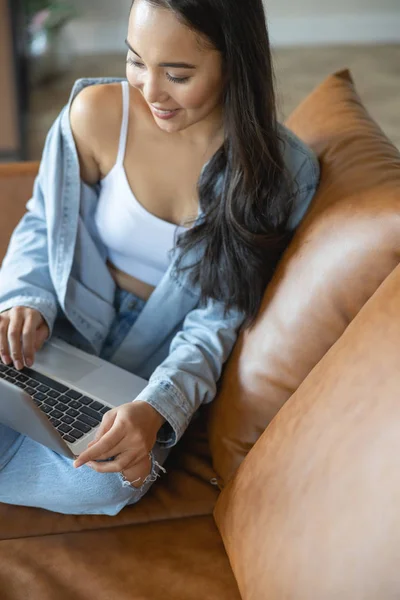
column 303, row 167
column 96, row 107
column 95, row 119
column 300, row 160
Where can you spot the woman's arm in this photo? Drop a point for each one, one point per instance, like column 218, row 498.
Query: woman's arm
column 188, row 377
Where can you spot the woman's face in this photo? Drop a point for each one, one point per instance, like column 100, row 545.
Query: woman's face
column 178, row 74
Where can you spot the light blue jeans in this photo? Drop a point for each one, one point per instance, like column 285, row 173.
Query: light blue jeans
column 33, row 475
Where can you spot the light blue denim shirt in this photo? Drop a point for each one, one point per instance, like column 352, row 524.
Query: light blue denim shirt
column 56, row 264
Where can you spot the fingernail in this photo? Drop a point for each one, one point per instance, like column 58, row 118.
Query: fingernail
column 18, row 365
column 6, row 359
column 29, row 362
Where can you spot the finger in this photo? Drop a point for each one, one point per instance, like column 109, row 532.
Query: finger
column 42, row 333
column 120, row 449
column 124, row 460
column 14, row 337
column 28, row 338
column 4, row 348
column 105, row 426
column 103, row 447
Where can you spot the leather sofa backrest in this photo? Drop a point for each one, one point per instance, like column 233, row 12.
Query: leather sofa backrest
column 16, row 184
column 347, row 245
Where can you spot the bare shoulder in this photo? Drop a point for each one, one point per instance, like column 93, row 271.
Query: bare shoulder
column 95, row 118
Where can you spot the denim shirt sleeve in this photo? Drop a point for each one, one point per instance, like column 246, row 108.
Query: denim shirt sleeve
column 25, row 275
column 189, row 375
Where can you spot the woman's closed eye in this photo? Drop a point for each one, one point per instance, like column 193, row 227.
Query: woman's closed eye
column 177, row 79
column 171, row 78
column 134, row 63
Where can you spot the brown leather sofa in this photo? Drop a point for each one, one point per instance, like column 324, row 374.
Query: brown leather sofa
column 309, row 507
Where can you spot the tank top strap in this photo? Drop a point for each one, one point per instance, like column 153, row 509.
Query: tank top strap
column 125, row 123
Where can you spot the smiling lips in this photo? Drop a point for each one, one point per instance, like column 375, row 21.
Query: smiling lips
column 164, row 114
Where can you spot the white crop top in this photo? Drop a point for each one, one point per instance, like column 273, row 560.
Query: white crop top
column 137, row 241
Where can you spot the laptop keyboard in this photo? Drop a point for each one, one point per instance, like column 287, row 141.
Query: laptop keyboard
column 69, row 411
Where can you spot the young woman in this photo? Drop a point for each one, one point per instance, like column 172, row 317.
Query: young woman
column 162, row 206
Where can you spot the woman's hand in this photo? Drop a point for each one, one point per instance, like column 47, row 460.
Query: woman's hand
column 129, row 433
column 23, row 332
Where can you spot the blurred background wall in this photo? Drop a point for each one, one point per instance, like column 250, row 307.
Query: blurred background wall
column 102, row 26
column 310, row 40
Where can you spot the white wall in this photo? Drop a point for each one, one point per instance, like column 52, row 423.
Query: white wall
column 308, row 22
column 101, row 27
column 304, row 8
column 103, row 23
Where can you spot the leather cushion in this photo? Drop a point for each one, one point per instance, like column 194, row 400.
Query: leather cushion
column 313, row 511
column 346, row 246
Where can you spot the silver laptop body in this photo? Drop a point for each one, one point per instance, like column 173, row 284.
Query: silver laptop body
column 86, row 382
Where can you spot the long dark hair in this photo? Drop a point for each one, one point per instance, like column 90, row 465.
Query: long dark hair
column 244, row 191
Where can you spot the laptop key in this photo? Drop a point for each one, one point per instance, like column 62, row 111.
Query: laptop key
column 2, row 375
column 64, row 428
column 72, row 412
column 75, row 433
column 55, row 422
column 56, row 414
column 61, row 406
column 30, row 391
column 20, row 385
column 69, row 439
column 67, row 419
column 105, row 410
column 33, row 383
column 82, row 426
column 39, row 396
column 96, row 406
column 50, row 401
column 53, row 394
column 92, row 413
column 22, row 378
column 3, row 368
column 46, row 408
column 74, row 404
column 85, row 400
column 88, row 420
column 73, row 394
column 64, row 398
column 43, row 388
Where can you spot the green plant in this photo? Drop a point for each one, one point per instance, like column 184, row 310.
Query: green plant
column 48, row 14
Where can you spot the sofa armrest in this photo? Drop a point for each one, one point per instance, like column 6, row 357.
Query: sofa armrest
column 16, row 184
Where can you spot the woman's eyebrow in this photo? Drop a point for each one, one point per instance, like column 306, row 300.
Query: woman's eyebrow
column 177, row 65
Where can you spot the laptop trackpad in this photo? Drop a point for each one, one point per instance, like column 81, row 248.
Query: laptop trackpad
column 55, row 361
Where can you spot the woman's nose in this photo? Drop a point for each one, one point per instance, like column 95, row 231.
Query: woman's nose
column 152, row 90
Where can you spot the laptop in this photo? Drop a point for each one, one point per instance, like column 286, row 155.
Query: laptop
column 62, row 400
